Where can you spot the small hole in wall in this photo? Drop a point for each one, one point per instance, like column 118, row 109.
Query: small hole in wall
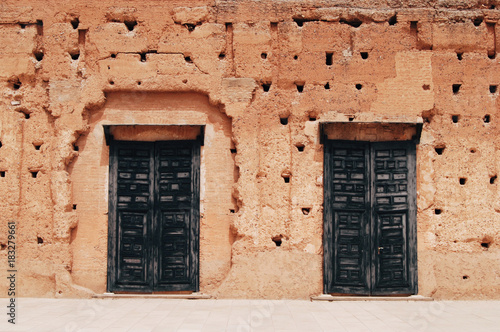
column 76, row 148
column 111, row 82
column 3, row 246
column 492, row 55
column 460, row 55
column 355, row 23
column 493, row 88
column 359, row 86
column 188, row 59
column 22, row 25
column 26, row 115
column 284, row 121
column 472, row 150
column 266, row 87
column 16, row 85
column 439, row 149
column 75, row 55
column 286, row 178
column 456, row 88
column 113, row 55
column 351, row 118
column 34, row 174
column 0, row 144
column 393, row 20
column 487, row 118
column 306, row 211
column 329, row 58
column 39, row 240
column 37, row 146
column 463, row 181
column 38, row 55
column 312, row 118
column 426, row 87
column 143, row 57
column 232, row 211
column 364, row 55
column 437, row 211
column 300, row 147
column 300, row 87
column 295, row 57
column 75, row 22
column 277, row 240
column 465, row 277
column 2, row 174
column 222, row 56
column 184, row 81
column 263, row 56
column 493, row 179
column 74, row 206
column 130, row 24
column 233, row 151
column 191, row 27
column 477, row 21
column 485, row 245
column 455, row 118
column 327, row 86
column 139, row 82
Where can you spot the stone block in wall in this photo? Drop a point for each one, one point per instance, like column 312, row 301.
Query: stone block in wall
column 237, row 93
column 64, row 96
column 60, row 38
column 191, row 15
column 114, row 37
column 464, row 37
column 16, row 65
column 15, row 14
column 17, row 40
column 253, row 53
column 127, row 66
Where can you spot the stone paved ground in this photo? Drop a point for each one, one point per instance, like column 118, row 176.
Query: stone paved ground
column 159, row 315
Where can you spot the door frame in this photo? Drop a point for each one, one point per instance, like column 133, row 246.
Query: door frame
column 371, row 227
column 194, row 229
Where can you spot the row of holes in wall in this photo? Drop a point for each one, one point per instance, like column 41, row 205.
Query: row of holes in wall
column 456, row 88
column 441, row 148
column 266, row 86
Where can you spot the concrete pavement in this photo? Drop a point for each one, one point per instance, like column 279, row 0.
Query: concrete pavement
column 162, row 315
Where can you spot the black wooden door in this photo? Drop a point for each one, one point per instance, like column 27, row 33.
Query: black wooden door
column 153, row 216
column 370, row 218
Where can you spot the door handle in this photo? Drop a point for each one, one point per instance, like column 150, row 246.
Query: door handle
column 379, row 248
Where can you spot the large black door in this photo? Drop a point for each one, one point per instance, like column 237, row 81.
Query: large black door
column 153, row 216
column 370, row 218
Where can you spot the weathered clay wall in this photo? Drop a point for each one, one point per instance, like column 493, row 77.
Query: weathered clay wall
column 261, row 75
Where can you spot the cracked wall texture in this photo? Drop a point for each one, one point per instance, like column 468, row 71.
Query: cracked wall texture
column 240, row 68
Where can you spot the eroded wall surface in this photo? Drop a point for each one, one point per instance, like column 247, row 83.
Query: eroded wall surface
column 261, row 76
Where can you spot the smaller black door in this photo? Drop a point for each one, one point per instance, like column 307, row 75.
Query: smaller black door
column 153, row 216
column 370, row 218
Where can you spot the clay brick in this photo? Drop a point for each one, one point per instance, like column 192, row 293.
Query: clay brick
column 463, row 37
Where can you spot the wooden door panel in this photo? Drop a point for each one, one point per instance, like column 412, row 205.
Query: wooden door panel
column 130, row 216
column 394, row 217
column 153, row 216
column 133, row 249
column 370, row 218
column 348, row 164
column 174, row 260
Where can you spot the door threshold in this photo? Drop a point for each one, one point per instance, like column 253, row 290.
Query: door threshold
column 190, row 296
column 328, row 297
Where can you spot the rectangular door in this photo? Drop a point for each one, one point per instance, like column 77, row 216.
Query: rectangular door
column 370, row 218
column 153, row 216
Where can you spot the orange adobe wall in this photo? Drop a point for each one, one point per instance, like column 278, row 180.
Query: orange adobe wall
column 260, row 76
